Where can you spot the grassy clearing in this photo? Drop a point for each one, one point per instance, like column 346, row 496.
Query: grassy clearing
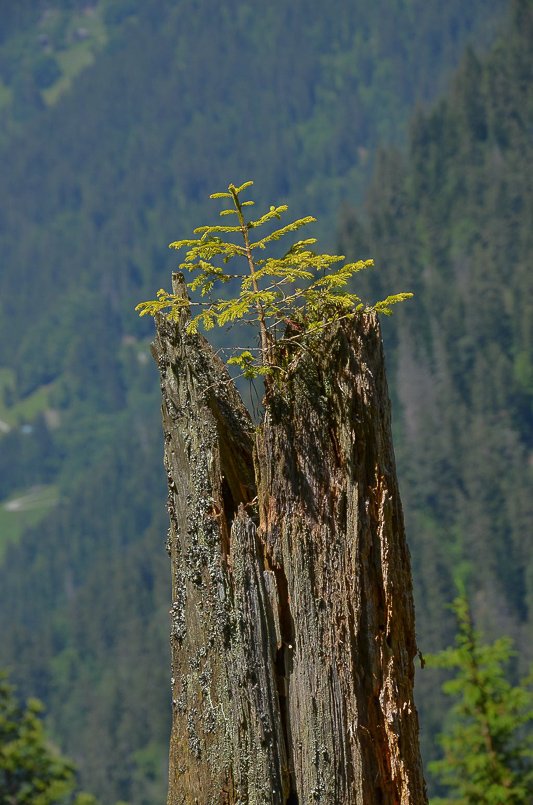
column 24, row 509
column 72, row 62
column 5, row 94
column 72, row 37
column 7, row 376
column 23, row 410
column 87, row 35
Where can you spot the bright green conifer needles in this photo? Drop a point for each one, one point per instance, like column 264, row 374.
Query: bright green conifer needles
column 488, row 743
column 300, row 289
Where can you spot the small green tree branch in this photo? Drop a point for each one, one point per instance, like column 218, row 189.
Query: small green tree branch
column 488, row 753
column 270, row 293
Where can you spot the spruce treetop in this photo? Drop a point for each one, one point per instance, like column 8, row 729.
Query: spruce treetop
column 487, row 743
column 303, row 289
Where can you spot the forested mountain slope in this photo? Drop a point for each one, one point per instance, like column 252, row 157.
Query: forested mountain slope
column 190, row 94
column 453, row 224
column 184, row 98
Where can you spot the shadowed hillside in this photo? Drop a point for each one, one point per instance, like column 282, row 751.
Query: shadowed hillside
column 452, row 222
column 95, row 180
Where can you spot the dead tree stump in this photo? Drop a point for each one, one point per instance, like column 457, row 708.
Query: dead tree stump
column 292, row 614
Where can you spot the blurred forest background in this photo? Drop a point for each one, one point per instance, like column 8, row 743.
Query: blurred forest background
column 406, row 128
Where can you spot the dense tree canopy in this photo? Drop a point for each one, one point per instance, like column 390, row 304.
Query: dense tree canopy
column 453, row 222
column 487, row 740
column 96, row 180
column 31, row 771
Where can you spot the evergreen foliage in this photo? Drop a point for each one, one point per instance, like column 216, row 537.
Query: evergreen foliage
column 91, row 191
column 98, row 651
column 31, row 771
column 95, row 215
column 311, row 308
column 453, row 221
column 488, row 743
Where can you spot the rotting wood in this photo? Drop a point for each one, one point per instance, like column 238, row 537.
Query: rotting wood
column 293, row 625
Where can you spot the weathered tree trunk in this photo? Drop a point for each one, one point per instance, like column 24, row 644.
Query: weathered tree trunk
column 292, row 617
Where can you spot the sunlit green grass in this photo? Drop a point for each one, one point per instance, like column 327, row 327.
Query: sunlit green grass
column 72, row 62
column 23, row 410
column 24, row 509
column 78, row 55
column 85, row 35
column 5, row 94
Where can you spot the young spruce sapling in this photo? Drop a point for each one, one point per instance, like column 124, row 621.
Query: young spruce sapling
column 302, row 288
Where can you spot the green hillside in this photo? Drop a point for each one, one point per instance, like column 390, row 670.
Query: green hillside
column 453, row 223
column 187, row 97
column 97, row 175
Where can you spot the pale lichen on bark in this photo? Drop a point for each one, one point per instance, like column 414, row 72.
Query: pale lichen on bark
column 292, row 629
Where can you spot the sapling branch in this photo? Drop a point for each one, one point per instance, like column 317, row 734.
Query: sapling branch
column 260, row 311
column 272, row 293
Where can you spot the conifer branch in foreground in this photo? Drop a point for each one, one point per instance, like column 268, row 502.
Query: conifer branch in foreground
column 302, row 288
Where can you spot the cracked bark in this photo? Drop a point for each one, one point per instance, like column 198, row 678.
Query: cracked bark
column 292, row 616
